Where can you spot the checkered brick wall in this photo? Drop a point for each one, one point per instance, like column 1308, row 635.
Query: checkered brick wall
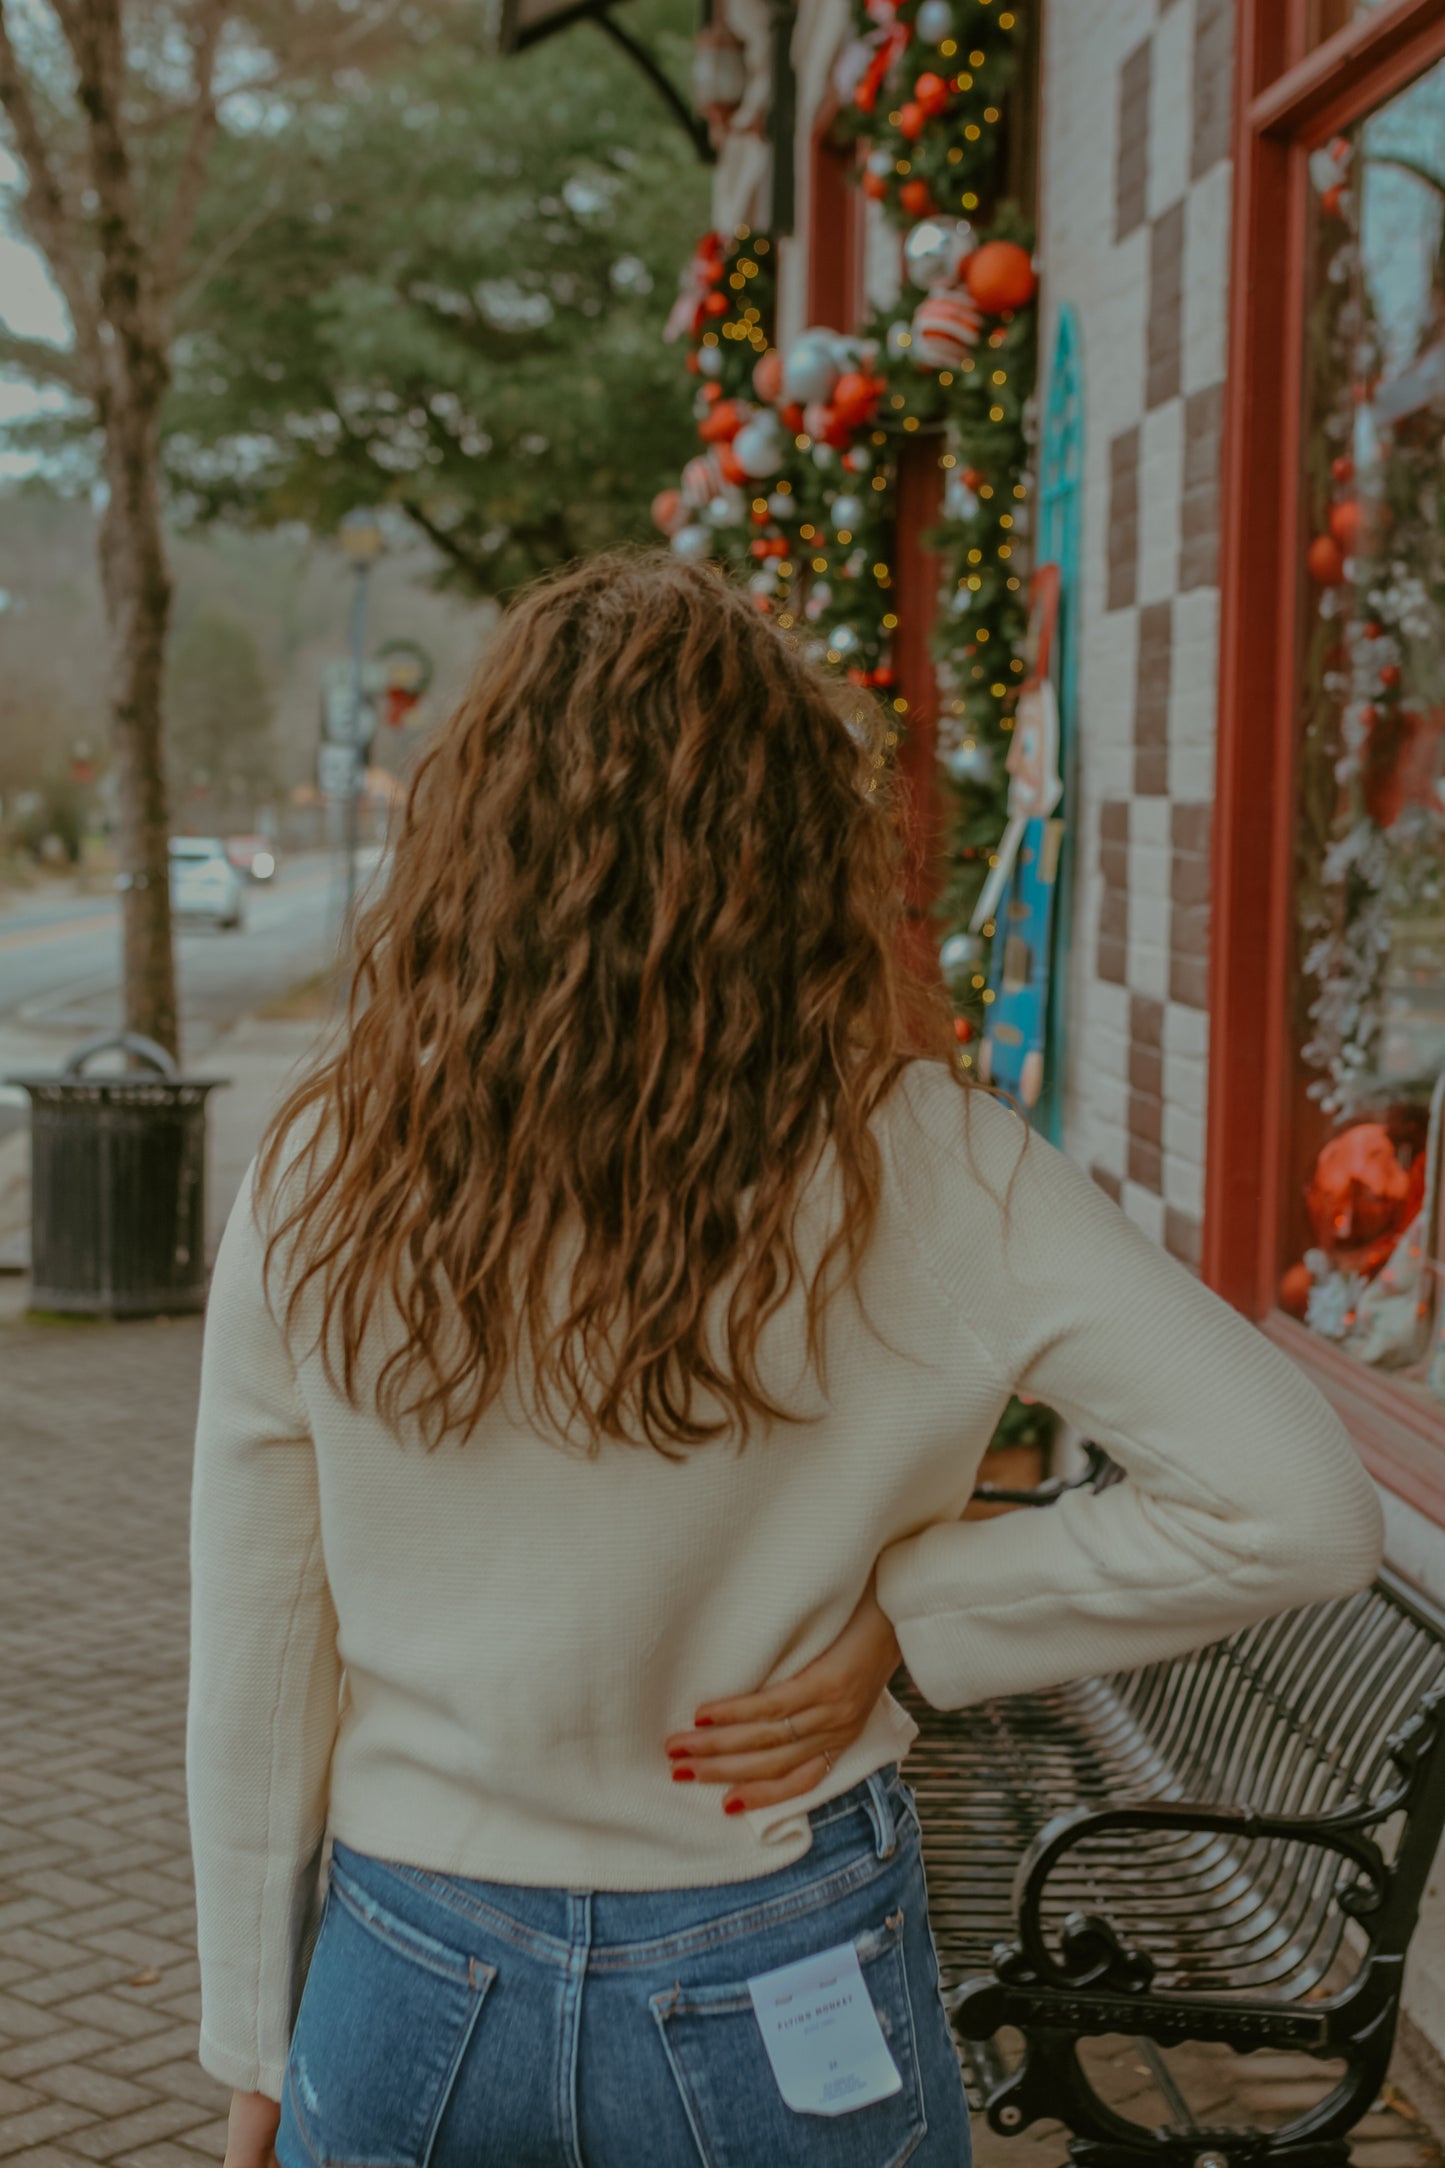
column 1134, row 235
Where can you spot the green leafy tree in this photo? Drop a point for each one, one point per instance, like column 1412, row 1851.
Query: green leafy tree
column 219, row 711
column 451, row 299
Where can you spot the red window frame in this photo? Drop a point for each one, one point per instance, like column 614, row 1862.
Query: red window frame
column 1288, row 99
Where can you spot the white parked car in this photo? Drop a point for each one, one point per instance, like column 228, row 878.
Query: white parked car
column 205, row 887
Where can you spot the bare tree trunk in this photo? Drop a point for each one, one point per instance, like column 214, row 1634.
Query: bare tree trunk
column 136, row 583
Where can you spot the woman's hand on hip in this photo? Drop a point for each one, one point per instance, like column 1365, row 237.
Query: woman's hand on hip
column 780, row 1742
column 251, row 2131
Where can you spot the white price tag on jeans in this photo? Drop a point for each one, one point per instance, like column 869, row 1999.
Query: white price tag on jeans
column 822, row 2034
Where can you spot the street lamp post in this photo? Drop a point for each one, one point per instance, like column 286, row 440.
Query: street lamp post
column 361, row 540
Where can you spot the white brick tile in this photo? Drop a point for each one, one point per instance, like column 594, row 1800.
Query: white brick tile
column 1184, row 1133
column 1170, row 109
column 1184, row 1184
column 1191, row 773
column 1185, row 1083
column 1206, row 278
column 1194, row 679
column 1145, row 1209
column 1186, row 1033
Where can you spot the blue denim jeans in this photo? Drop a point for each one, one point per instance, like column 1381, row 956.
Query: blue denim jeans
column 448, row 2022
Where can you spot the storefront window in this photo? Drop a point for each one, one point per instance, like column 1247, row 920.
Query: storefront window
column 1362, row 1229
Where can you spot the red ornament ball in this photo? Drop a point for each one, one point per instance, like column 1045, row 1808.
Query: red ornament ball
column 723, row 423
column 912, row 120
column 668, row 509
column 1000, row 276
column 1390, row 674
column 916, row 198
column 1294, row 1289
column 1326, row 560
column 1343, row 468
column 1345, row 522
column 884, row 675
column 791, row 417
column 1332, row 201
column 768, row 377
column 962, row 1030
column 931, row 92
column 716, row 305
column 730, row 465
column 856, row 397
column 875, row 185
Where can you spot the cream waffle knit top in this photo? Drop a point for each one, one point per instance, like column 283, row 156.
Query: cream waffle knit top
column 468, row 1659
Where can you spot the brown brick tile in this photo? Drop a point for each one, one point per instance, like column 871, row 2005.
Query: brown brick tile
column 1108, row 1182
column 1123, row 538
column 1146, row 1020
column 1146, row 1164
column 1213, row 116
column 1131, row 174
column 1114, row 820
column 1182, row 1235
column 1199, row 506
column 1146, row 1071
column 1146, row 1118
column 1189, row 982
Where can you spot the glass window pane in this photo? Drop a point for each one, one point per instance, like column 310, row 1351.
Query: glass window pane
column 1370, row 992
column 1328, row 16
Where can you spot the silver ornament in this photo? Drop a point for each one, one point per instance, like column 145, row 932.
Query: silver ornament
column 934, row 248
column 843, row 640
column 848, row 512
column 961, row 955
column 824, row 456
column 810, row 368
column 969, row 762
column 899, row 339
column 710, row 360
column 693, row 543
column 764, row 581
column 781, row 505
column 881, row 164
column 934, row 22
column 725, row 510
column 961, row 602
column 859, row 459
column 758, row 448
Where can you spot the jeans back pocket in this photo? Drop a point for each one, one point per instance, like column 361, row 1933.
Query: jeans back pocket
column 739, row 2119
column 384, row 2022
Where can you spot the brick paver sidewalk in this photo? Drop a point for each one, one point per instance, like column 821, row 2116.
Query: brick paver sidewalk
column 98, row 2003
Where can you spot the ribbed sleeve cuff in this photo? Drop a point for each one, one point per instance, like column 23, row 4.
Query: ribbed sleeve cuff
column 243, row 2073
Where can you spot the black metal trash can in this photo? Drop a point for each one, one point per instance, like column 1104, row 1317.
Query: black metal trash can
column 118, row 1185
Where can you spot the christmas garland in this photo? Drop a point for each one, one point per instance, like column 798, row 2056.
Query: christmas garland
column 1372, row 823
column 794, row 484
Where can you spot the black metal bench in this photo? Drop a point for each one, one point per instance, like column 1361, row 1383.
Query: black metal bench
column 1177, row 1854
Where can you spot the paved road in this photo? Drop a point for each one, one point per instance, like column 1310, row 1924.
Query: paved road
column 60, row 966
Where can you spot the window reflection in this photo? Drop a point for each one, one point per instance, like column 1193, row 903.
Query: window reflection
column 1371, row 876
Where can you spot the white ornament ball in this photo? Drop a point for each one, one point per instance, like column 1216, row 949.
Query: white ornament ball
column 960, row 500
column 824, row 456
column 843, row 640
column 758, row 448
column 781, row 506
column 855, row 564
column 820, row 596
column 961, row 955
column 934, row 21
column 899, row 340
column 811, row 368
column 858, row 459
column 960, row 602
column 702, row 480
column 764, row 581
column 850, row 68
column 724, row 510
column 848, row 512
column 934, row 249
column 945, row 327
column 880, row 163
column 970, row 762
column 693, row 543
column 710, row 360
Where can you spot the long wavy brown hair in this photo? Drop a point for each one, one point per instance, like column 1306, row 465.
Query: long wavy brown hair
column 638, row 959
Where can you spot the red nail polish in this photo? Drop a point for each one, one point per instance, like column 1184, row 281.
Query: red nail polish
column 683, row 1776
column 732, row 1806
column 676, row 1753
column 701, row 1723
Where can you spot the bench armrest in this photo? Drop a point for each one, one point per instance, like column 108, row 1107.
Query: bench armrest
column 1044, row 1494
column 1091, row 1953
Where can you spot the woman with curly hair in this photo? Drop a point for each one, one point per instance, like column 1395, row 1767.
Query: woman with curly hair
column 599, row 1360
